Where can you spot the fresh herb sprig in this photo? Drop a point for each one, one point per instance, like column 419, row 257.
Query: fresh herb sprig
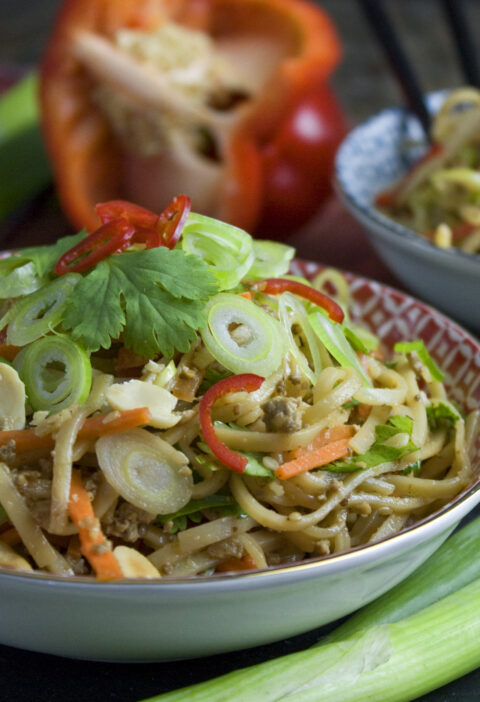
column 154, row 298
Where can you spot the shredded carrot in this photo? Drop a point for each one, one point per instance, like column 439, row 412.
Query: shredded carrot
column 93, row 427
column 11, row 537
column 363, row 410
column 247, row 295
column 8, row 351
column 324, row 437
column 246, row 562
column 94, row 545
column 314, row 459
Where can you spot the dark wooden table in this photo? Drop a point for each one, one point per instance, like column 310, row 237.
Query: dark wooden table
column 334, row 238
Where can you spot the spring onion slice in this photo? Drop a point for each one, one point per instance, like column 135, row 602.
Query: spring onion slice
column 272, row 259
column 227, row 250
column 19, row 280
column 332, row 336
column 56, row 372
column 420, row 348
column 145, row 470
column 40, row 312
column 289, row 303
column 467, row 178
column 261, row 347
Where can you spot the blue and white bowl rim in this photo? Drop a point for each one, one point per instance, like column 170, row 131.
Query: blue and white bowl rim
column 358, row 180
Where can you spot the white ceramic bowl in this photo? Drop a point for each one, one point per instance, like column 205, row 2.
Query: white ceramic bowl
column 145, row 620
column 375, row 155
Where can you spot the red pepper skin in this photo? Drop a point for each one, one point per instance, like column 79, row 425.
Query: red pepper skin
column 298, row 163
column 90, row 163
column 172, row 220
column 247, row 382
column 114, row 209
column 275, row 286
column 150, row 229
column 112, row 237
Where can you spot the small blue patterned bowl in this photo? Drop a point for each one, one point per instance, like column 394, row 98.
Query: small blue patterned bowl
column 372, row 157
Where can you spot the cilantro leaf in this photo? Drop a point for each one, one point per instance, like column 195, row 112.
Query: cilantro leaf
column 380, row 452
column 155, row 298
column 413, row 468
column 441, row 414
column 212, row 376
column 223, row 505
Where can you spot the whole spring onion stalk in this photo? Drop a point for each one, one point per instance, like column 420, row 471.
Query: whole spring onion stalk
column 24, row 167
column 417, row 637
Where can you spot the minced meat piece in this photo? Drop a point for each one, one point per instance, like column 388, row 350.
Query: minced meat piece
column 127, row 522
column 226, row 549
column 282, row 414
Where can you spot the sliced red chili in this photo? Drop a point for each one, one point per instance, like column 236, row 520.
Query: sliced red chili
column 116, row 209
column 150, row 229
column 145, row 221
column 112, row 237
column 275, row 286
column 246, row 382
column 172, row 220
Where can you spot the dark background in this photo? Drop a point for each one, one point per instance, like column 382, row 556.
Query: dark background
column 364, row 85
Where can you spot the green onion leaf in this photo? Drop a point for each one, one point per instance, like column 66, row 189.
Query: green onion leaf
column 56, row 372
column 420, row 348
column 241, row 336
column 361, row 339
column 287, row 304
column 332, row 336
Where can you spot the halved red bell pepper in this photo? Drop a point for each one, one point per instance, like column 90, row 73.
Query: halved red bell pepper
column 283, row 51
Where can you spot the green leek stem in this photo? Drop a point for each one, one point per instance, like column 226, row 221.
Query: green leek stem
column 374, row 655
column 454, row 565
column 24, row 166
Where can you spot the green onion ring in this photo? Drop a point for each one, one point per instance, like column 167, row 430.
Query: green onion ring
column 263, row 350
column 56, row 372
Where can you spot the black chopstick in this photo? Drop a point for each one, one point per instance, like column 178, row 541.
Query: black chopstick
column 465, row 46
column 397, row 58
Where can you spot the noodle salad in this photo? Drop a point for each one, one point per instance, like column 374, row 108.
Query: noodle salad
column 440, row 197
column 174, row 404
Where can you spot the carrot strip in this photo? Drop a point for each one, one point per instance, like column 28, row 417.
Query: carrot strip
column 29, row 440
column 8, row 351
column 246, row 562
column 247, row 295
column 11, row 537
column 324, row 437
column 314, row 459
column 93, row 543
column 114, row 422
